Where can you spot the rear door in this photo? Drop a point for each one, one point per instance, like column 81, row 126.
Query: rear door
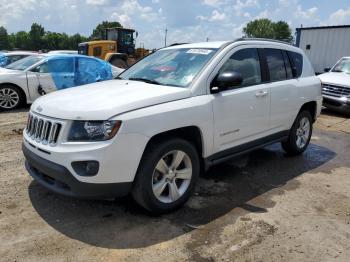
column 283, row 88
column 241, row 114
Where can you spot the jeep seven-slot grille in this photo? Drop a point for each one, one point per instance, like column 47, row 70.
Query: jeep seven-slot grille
column 336, row 91
column 43, row 130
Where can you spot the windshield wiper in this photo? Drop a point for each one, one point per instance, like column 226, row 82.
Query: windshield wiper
column 148, row 81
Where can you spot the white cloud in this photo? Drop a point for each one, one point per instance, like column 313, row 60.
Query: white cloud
column 124, row 19
column 339, row 17
column 241, row 5
column 308, row 14
column 97, row 2
column 14, row 9
column 213, row 2
column 215, row 16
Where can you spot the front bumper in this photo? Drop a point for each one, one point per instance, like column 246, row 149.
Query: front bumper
column 336, row 104
column 59, row 179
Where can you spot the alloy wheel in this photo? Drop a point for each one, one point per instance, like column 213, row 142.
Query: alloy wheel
column 303, row 132
column 172, row 176
column 9, row 98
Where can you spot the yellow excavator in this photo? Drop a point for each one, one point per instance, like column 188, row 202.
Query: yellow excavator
column 117, row 47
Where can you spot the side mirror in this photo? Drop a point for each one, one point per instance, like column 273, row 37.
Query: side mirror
column 226, row 80
column 327, row 69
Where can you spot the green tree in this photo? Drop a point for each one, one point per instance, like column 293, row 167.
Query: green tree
column 74, row 41
column 51, row 40
column 4, row 39
column 21, row 40
column 265, row 28
column 99, row 33
column 260, row 28
column 36, row 34
column 282, row 31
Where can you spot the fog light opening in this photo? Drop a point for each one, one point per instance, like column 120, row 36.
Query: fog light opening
column 86, row 168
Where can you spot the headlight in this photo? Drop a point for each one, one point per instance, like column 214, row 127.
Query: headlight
column 93, row 130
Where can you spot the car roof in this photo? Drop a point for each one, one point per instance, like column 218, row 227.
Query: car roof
column 20, row 53
column 216, row 44
column 69, row 56
column 253, row 41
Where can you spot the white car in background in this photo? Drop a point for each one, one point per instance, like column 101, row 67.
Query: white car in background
column 11, row 57
column 29, row 78
column 336, row 86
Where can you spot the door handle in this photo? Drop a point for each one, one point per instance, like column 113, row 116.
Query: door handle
column 261, row 93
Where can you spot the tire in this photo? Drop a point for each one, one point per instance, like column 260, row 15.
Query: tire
column 149, row 179
column 11, row 97
column 118, row 62
column 299, row 135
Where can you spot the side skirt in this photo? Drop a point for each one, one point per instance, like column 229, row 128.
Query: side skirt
column 230, row 153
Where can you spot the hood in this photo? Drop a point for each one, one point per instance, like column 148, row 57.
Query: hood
column 5, row 71
column 101, row 101
column 342, row 79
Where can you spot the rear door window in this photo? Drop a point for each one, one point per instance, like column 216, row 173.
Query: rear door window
column 275, row 63
column 287, row 65
column 61, row 65
column 297, row 63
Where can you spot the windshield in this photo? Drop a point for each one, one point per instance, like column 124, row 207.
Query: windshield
column 342, row 66
column 24, row 63
column 173, row 67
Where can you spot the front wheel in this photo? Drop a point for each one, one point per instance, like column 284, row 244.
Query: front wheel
column 167, row 175
column 299, row 134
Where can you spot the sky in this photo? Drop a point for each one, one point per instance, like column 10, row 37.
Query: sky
column 186, row 21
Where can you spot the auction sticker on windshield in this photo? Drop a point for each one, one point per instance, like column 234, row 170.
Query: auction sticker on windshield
column 199, row 51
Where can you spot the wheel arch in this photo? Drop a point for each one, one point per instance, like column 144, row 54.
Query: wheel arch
column 310, row 106
column 191, row 134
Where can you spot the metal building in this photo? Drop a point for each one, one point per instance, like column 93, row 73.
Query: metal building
column 324, row 45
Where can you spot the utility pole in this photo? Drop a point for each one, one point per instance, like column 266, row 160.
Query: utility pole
column 166, row 32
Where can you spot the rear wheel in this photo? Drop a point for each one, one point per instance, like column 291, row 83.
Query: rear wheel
column 10, row 97
column 166, row 176
column 299, row 135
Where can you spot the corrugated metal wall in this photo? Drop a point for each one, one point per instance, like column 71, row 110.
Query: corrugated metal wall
column 328, row 45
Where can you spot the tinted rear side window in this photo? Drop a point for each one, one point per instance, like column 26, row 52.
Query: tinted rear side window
column 297, row 63
column 287, row 65
column 275, row 62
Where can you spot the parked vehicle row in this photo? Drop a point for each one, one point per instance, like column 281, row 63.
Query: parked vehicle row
column 174, row 113
column 38, row 74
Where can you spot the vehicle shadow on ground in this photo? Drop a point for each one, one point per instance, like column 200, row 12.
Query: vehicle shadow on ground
column 15, row 111
column 232, row 187
column 333, row 113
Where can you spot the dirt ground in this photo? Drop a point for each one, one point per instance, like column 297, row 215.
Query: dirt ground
column 264, row 206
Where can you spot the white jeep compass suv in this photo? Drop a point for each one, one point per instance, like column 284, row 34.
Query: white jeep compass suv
column 180, row 109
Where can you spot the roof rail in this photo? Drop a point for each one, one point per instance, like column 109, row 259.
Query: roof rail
column 263, row 39
column 175, row 44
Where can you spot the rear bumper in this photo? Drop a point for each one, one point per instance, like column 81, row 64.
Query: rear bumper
column 336, row 104
column 59, row 179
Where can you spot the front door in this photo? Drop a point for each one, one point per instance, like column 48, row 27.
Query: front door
column 241, row 114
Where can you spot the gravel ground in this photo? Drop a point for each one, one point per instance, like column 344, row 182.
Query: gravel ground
column 264, row 206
